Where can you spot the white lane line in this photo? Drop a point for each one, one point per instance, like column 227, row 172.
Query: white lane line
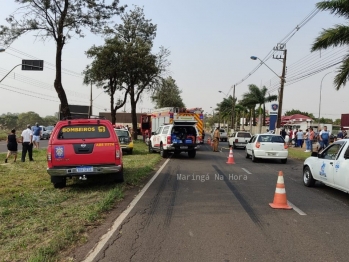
column 296, row 209
column 248, row 172
column 104, row 239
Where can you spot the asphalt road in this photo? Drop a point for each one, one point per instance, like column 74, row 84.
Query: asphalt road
column 203, row 209
column 3, row 147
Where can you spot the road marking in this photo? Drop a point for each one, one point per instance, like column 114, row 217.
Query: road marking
column 248, row 172
column 296, row 209
column 104, row 239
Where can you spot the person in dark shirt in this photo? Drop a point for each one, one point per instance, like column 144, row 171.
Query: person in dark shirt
column 12, row 145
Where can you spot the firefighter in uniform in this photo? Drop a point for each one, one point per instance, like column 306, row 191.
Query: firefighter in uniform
column 216, row 136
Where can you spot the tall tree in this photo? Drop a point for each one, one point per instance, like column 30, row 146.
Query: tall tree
column 107, row 71
column 143, row 69
column 258, row 96
column 28, row 118
column 60, row 20
column 168, row 94
column 9, row 120
column 335, row 36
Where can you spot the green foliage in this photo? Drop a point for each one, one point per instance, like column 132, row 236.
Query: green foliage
column 20, row 121
column 60, row 20
column 336, row 36
column 296, row 111
column 9, row 120
column 257, row 96
column 126, row 62
column 168, row 94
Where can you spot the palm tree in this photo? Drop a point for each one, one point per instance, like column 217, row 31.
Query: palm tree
column 336, row 36
column 240, row 111
column 257, row 96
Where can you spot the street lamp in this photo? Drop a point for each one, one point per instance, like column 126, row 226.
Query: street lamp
column 281, row 91
column 222, row 93
column 320, row 100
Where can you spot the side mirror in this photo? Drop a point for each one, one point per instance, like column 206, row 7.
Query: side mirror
column 314, row 154
column 346, row 155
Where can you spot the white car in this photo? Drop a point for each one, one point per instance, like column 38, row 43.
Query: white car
column 267, row 146
column 239, row 139
column 330, row 167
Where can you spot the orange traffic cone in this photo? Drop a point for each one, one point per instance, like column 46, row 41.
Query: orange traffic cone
column 280, row 200
column 231, row 157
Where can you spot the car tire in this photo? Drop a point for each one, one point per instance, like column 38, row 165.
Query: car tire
column 163, row 153
column 119, row 177
column 59, row 182
column 192, row 153
column 234, row 146
column 284, row 161
column 247, row 155
column 254, row 159
column 308, row 179
column 150, row 148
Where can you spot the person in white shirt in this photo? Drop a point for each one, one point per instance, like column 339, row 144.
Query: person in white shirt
column 27, row 143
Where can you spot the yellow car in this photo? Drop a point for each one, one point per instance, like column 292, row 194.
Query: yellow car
column 125, row 140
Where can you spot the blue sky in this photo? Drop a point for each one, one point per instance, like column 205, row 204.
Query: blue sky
column 210, row 42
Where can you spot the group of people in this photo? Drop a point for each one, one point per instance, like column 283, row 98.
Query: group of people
column 299, row 137
column 29, row 137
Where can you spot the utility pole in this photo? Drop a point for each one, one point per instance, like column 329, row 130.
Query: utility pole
column 90, row 109
column 233, row 112
column 281, row 95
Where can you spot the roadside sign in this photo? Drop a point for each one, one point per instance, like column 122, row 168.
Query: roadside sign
column 33, row 65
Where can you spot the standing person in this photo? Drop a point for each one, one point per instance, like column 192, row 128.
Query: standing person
column 300, row 137
column 12, row 145
column 291, row 137
column 306, row 139
column 37, row 131
column 216, row 136
column 324, row 137
column 27, row 143
column 295, row 138
column 311, row 138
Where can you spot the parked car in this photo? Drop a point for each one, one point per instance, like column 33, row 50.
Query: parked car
column 178, row 137
column 267, row 146
column 223, row 135
column 330, row 166
column 125, row 140
column 47, row 131
column 83, row 148
column 239, row 139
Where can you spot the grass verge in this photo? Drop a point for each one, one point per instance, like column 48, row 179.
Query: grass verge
column 38, row 222
column 298, row 153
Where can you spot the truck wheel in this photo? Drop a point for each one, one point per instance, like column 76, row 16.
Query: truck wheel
column 150, row 148
column 119, row 177
column 308, row 179
column 58, row 182
column 192, row 153
column 163, row 153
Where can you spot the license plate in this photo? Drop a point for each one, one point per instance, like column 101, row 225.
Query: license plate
column 84, row 169
column 183, row 147
column 271, row 154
